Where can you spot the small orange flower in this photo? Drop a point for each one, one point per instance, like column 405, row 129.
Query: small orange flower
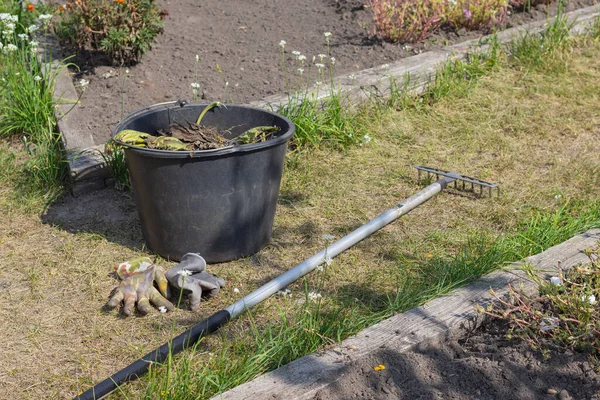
column 379, row 367
column 429, row 255
column 120, row 1
column 30, row 7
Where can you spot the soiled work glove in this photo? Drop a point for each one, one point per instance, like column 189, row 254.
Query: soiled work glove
column 138, row 277
column 191, row 276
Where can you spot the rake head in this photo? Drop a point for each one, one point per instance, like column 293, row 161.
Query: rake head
column 460, row 182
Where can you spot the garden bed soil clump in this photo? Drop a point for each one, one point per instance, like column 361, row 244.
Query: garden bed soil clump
column 239, row 54
column 481, row 365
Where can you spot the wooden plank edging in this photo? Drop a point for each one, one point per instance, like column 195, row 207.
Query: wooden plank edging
column 304, row 377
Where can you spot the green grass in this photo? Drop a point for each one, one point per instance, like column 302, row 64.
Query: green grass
column 313, row 325
column 27, row 105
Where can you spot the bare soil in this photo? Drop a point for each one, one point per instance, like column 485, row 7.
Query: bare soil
column 241, row 39
column 481, row 365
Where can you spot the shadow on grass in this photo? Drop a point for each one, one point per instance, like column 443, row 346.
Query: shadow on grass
column 109, row 213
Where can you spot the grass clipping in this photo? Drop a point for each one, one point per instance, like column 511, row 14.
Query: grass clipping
column 192, row 136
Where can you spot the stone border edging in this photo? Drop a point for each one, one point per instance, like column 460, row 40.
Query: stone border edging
column 89, row 172
column 303, row 378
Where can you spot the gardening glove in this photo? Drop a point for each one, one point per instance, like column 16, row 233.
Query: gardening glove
column 191, row 276
column 138, row 277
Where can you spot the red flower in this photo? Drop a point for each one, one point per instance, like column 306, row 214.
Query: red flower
column 30, row 7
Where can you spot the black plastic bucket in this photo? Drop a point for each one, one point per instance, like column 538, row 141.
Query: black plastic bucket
column 219, row 203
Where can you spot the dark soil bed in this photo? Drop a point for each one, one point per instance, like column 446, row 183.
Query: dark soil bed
column 482, row 365
column 242, row 37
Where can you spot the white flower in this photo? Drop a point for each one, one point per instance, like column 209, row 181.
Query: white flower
column 314, row 295
column 385, row 66
column 366, row 139
column 319, row 65
column 184, row 272
column 301, row 70
column 453, row 2
column 327, row 34
column 37, row 78
column 83, row 82
column 321, row 56
column 236, row 290
column 301, row 57
column 332, row 60
column 557, row 197
column 555, row 280
column 591, row 299
column 33, row 43
column 32, row 28
column 126, row 71
column 282, row 43
column 328, row 260
column 11, row 47
column 197, row 58
column 34, row 50
column 10, row 26
column 23, row 36
column 162, row 309
column 549, row 323
column 320, row 268
column 286, row 292
column 195, row 85
column 296, row 53
column 352, row 76
column 45, row 17
column 318, row 83
column 327, row 236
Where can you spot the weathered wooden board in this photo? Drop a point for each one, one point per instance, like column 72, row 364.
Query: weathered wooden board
column 302, row 378
column 65, row 95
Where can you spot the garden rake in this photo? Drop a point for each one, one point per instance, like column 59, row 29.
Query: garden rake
column 187, row 339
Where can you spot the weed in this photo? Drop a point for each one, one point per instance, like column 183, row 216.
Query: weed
column 123, row 30
column 457, row 75
column 594, row 30
column 563, row 315
column 26, row 102
column 476, row 14
column 406, row 20
column 544, row 50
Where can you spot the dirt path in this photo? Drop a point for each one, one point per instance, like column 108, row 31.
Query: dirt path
column 484, row 365
column 242, row 37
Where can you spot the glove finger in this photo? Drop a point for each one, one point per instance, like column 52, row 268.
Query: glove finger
column 206, row 285
column 161, row 281
column 129, row 303
column 143, row 304
column 115, row 299
column 195, row 295
column 158, row 300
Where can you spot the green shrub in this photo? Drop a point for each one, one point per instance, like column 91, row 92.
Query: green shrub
column 123, row 29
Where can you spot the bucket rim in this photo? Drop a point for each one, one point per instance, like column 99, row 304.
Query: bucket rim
column 282, row 139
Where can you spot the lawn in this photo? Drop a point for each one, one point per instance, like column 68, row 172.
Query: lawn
column 531, row 127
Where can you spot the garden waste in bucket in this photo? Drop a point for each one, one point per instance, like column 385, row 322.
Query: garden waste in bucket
column 219, row 203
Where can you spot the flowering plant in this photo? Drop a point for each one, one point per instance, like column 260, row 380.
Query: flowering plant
column 476, row 14
column 564, row 315
column 123, row 29
column 406, row 20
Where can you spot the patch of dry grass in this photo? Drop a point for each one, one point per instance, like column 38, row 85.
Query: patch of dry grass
column 534, row 134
